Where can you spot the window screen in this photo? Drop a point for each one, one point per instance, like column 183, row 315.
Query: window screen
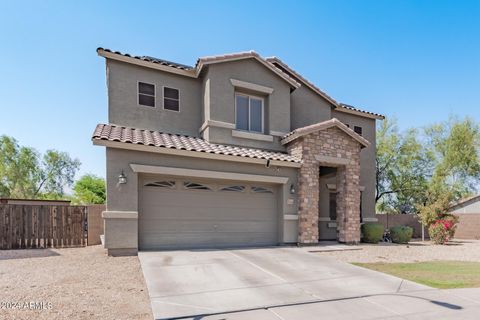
column 171, row 99
column 146, row 94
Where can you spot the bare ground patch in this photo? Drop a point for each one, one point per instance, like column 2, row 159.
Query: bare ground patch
column 416, row 251
column 80, row 283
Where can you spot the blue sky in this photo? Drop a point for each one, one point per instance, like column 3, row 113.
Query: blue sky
column 416, row 60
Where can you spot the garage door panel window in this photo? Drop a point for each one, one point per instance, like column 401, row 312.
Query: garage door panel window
column 195, row 186
column 261, row 190
column 161, row 184
column 233, row 188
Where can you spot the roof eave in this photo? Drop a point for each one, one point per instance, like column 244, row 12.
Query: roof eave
column 360, row 113
column 147, row 64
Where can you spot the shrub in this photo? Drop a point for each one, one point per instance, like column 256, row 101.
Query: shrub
column 401, row 234
column 442, row 230
column 372, row 232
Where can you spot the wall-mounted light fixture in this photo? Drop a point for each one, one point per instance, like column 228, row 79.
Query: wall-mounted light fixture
column 122, row 179
column 292, row 189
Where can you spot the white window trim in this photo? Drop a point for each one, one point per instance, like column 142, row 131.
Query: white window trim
column 251, row 86
column 263, row 112
column 154, row 94
column 163, row 98
column 237, row 133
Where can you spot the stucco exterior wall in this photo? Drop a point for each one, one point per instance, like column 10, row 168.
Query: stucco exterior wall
column 123, row 107
column 367, row 159
column 222, row 100
column 308, row 108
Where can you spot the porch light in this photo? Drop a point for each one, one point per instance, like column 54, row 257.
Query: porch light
column 122, row 179
column 292, row 189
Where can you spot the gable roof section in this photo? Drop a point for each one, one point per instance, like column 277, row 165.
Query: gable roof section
column 156, row 139
column 189, row 71
column 338, row 106
column 244, row 55
column 300, row 132
column 275, row 60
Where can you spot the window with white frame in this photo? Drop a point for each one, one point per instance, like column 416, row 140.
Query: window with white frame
column 146, row 94
column 249, row 113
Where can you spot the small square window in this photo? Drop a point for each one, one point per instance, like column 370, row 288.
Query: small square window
column 171, row 99
column 358, row 130
column 146, row 94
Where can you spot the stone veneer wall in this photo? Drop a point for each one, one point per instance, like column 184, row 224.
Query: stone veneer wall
column 334, row 143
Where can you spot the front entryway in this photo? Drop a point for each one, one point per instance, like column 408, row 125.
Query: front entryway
column 188, row 213
column 327, row 203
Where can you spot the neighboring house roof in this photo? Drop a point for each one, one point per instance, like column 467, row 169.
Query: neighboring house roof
column 300, row 132
column 181, row 142
column 465, row 201
column 339, row 106
column 194, row 72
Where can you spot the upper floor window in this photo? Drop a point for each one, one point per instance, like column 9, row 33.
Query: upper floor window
column 171, row 99
column 249, row 112
column 357, row 130
column 146, row 94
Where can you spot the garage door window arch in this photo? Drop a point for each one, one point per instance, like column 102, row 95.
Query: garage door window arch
column 162, row 184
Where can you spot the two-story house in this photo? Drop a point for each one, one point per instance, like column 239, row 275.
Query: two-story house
column 238, row 150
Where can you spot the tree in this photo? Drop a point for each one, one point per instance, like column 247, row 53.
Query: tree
column 89, row 189
column 456, row 149
column 403, row 166
column 25, row 174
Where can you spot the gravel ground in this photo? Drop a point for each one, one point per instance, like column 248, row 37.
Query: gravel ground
column 75, row 283
column 415, row 251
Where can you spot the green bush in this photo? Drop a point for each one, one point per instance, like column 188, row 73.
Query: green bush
column 372, row 232
column 401, row 234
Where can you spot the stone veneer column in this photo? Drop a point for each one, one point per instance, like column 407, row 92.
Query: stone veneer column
column 333, row 144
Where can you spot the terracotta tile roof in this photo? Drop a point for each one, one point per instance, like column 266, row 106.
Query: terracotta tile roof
column 299, row 77
column 349, row 107
column 277, row 61
column 151, row 59
column 116, row 133
column 297, row 133
column 245, row 55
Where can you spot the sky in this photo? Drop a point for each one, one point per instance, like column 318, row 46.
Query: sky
column 418, row 61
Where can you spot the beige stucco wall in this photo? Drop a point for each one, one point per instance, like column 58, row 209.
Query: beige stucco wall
column 220, row 93
column 468, row 207
column 308, row 108
column 123, row 107
column 367, row 159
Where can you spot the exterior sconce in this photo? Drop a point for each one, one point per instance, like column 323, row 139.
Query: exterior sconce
column 122, row 179
column 292, row 189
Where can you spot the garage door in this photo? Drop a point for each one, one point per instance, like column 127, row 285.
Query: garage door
column 179, row 213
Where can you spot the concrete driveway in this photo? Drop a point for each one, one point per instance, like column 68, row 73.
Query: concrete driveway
column 288, row 283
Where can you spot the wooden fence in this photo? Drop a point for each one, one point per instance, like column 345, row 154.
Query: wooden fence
column 42, row 226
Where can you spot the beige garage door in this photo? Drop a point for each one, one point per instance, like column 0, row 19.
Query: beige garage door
column 180, row 213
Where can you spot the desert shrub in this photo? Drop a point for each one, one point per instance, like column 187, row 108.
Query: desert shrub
column 372, row 232
column 443, row 230
column 401, row 234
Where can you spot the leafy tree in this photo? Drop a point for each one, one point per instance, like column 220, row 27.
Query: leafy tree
column 403, row 166
column 456, row 148
column 25, row 174
column 19, row 173
column 89, row 189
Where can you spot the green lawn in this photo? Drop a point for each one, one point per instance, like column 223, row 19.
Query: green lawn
column 437, row 274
